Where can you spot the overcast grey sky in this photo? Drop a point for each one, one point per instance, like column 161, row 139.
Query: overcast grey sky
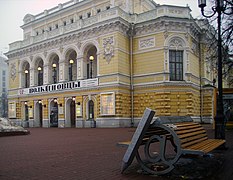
column 12, row 13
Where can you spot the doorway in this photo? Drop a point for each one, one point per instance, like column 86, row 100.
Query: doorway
column 91, row 115
column 38, row 121
column 26, row 116
column 40, row 114
column 72, row 113
column 54, row 114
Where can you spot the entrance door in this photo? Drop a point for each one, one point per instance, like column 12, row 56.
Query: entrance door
column 41, row 114
column 54, row 115
column 26, row 116
column 72, row 113
column 91, row 113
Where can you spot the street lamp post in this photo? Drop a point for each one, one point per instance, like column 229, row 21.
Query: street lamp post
column 71, row 69
column 54, row 73
column 91, row 58
column 40, row 79
column 26, row 78
column 219, row 119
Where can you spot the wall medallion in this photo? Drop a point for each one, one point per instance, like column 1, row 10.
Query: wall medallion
column 108, row 44
column 13, row 71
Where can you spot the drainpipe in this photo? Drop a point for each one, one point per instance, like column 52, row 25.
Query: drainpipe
column 131, row 33
column 200, row 74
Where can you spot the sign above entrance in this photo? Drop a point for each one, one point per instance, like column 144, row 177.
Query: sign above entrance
column 60, row 86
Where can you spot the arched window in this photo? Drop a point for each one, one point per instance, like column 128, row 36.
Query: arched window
column 54, row 71
column 71, row 61
column 26, row 75
column 176, row 59
column 39, row 72
column 91, row 68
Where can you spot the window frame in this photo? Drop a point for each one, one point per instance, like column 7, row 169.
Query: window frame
column 176, row 65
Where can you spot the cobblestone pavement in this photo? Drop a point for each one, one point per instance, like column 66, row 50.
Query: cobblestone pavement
column 79, row 154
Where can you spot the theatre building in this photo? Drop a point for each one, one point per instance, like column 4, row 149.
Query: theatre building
column 88, row 63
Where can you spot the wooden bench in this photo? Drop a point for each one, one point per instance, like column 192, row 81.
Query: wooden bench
column 165, row 141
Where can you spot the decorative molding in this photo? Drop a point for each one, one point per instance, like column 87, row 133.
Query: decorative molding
column 31, row 58
column 147, row 43
column 176, row 43
column 78, row 36
column 165, row 34
column 13, row 71
column 194, row 47
column 180, row 84
column 108, row 44
column 79, row 45
column 45, row 54
column 61, row 49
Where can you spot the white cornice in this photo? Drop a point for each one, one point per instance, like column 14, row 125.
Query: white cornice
column 57, row 10
column 107, row 27
column 167, row 84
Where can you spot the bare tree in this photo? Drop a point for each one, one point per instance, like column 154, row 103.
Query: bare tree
column 227, row 39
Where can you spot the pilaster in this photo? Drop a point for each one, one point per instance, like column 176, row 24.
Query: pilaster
column 46, row 74
column 80, row 66
column 63, row 75
column 32, row 75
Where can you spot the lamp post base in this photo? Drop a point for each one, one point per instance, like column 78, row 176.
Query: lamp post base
column 220, row 130
column 219, row 127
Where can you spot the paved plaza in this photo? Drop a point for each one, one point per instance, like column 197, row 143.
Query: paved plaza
column 70, row 153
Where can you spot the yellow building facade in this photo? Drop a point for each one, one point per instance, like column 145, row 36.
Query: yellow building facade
column 101, row 63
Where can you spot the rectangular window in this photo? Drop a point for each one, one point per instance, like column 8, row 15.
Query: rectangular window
column 176, row 65
column 12, row 110
column 3, row 73
column 78, row 110
column 107, row 104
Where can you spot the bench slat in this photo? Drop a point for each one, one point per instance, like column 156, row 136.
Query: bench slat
column 185, row 124
column 207, row 145
column 217, row 144
column 187, row 144
column 192, row 138
column 191, row 134
column 188, row 127
column 189, row 130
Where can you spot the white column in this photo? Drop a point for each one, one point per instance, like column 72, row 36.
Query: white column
column 80, row 72
column 63, row 74
column 32, row 77
column 166, row 64
column 98, row 62
column 20, row 79
column 46, row 74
